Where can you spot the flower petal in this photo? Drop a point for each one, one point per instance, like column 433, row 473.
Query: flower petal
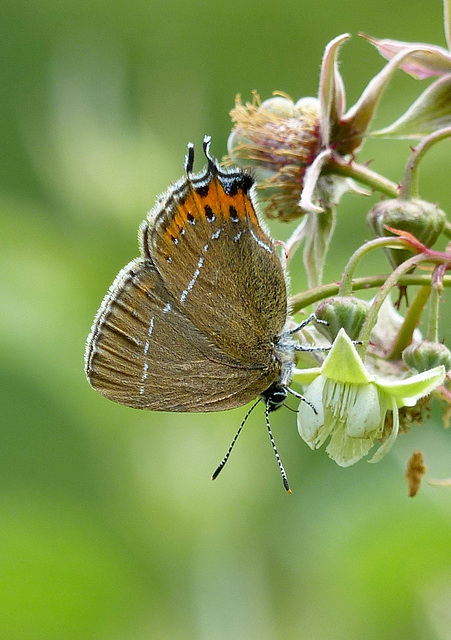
column 365, row 417
column 387, row 445
column 312, row 174
column 429, row 113
column 346, row 451
column 343, row 363
column 427, row 60
column 320, row 227
column 407, row 392
column 309, row 422
column 306, row 376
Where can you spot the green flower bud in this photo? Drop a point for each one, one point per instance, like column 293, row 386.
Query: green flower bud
column 422, row 219
column 427, row 355
column 278, row 140
column 344, row 312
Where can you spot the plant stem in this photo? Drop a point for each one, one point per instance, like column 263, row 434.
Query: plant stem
column 303, row 300
column 362, row 174
column 392, row 281
column 409, row 186
column 437, row 288
column 346, row 281
column 410, row 323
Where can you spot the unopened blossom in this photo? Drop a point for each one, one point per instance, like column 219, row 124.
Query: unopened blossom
column 425, row 220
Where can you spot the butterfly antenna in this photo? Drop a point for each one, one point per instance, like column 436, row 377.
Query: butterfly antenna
column 226, row 457
column 212, row 163
column 279, row 462
column 189, row 158
column 290, row 408
column 301, row 397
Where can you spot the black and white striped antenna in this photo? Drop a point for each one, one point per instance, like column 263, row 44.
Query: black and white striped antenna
column 271, row 437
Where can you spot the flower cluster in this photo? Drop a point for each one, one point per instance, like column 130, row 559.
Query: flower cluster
column 379, row 373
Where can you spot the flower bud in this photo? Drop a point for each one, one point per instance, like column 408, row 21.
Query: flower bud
column 344, row 312
column 278, row 140
column 427, row 355
column 422, row 219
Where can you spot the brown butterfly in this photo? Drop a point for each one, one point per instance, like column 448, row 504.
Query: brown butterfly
column 197, row 323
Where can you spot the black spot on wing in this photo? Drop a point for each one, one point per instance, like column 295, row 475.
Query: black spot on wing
column 209, row 213
column 233, row 213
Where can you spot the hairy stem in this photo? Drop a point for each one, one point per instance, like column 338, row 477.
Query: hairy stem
column 362, row 174
column 304, row 299
column 409, row 186
column 392, row 281
column 410, row 323
column 346, row 281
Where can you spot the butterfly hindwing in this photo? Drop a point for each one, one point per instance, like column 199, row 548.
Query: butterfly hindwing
column 145, row 353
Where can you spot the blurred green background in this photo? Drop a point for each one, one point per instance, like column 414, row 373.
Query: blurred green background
column 109, row 525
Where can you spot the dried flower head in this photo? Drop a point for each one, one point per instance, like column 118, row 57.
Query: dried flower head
column 289, row 144
column 278, row 139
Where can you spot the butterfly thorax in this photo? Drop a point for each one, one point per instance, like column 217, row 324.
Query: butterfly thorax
column 276, row 394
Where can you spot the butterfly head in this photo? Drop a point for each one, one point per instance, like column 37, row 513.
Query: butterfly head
column 274, row 396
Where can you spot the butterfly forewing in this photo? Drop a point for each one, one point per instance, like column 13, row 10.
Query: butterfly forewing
column 219, row 265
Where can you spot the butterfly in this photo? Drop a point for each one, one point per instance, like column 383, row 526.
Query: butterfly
column 198, row 322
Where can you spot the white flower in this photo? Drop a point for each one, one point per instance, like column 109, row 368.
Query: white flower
column 351, row 403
